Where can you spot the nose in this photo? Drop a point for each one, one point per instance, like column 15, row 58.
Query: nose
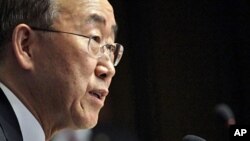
column 105, row 70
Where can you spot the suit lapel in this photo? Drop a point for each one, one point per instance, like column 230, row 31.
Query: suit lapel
column 2, row 135
column 9, row 126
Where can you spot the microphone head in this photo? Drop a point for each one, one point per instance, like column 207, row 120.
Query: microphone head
column 225, row 113
column 192, row 138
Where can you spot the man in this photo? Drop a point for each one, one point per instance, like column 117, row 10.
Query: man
column 57, row 62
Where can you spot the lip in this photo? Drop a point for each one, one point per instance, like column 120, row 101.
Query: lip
column 98, row 96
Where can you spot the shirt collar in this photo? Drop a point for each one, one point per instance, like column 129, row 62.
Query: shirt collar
column 30, row 127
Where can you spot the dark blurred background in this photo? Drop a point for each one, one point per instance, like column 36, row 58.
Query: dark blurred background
column 181, row 59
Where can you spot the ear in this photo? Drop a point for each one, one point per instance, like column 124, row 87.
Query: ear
column 22, row 45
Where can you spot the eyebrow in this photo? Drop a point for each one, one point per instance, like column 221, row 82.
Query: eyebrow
column 101, row 20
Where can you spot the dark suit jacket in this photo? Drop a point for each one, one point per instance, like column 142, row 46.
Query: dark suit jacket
column 9, row 126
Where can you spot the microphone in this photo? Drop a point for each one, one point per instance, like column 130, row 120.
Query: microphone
column 224, row 113
column 192, row 138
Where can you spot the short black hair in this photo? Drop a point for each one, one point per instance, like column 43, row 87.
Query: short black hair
column 37, row 13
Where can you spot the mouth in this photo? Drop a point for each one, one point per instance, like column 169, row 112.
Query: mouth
column 99, row 94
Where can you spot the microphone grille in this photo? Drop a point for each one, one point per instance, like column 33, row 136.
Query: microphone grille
column 192, row 138
column 224, row 112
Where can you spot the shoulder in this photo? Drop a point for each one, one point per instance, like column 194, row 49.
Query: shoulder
column 9, row 127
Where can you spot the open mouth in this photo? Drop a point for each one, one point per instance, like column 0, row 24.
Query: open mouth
column 97, row 95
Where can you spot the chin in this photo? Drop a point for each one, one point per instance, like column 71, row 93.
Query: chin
column 83, row 119
column 91, row 125
column 85, row 123
column 84, row 115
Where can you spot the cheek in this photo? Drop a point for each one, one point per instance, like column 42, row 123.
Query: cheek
column 66, row 65
column 81, row 71
column 82, row 74
column 75, row 63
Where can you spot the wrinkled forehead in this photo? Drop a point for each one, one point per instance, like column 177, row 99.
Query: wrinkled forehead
column 74, row 4
column 77, row 13
column 85, row 8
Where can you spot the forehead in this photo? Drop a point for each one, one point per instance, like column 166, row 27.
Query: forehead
column 84, row 10
column 76, row 5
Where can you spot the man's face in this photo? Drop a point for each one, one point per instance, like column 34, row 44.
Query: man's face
column 76, row 83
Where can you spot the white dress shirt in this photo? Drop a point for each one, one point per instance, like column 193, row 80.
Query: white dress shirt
column 30, row 127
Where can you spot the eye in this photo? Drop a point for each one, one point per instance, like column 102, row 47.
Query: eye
column 96, row 39
column 111, row 48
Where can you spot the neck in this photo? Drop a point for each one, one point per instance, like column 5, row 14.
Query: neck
column 30, row 99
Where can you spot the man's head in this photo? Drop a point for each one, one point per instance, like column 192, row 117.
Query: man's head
column 58, row 57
